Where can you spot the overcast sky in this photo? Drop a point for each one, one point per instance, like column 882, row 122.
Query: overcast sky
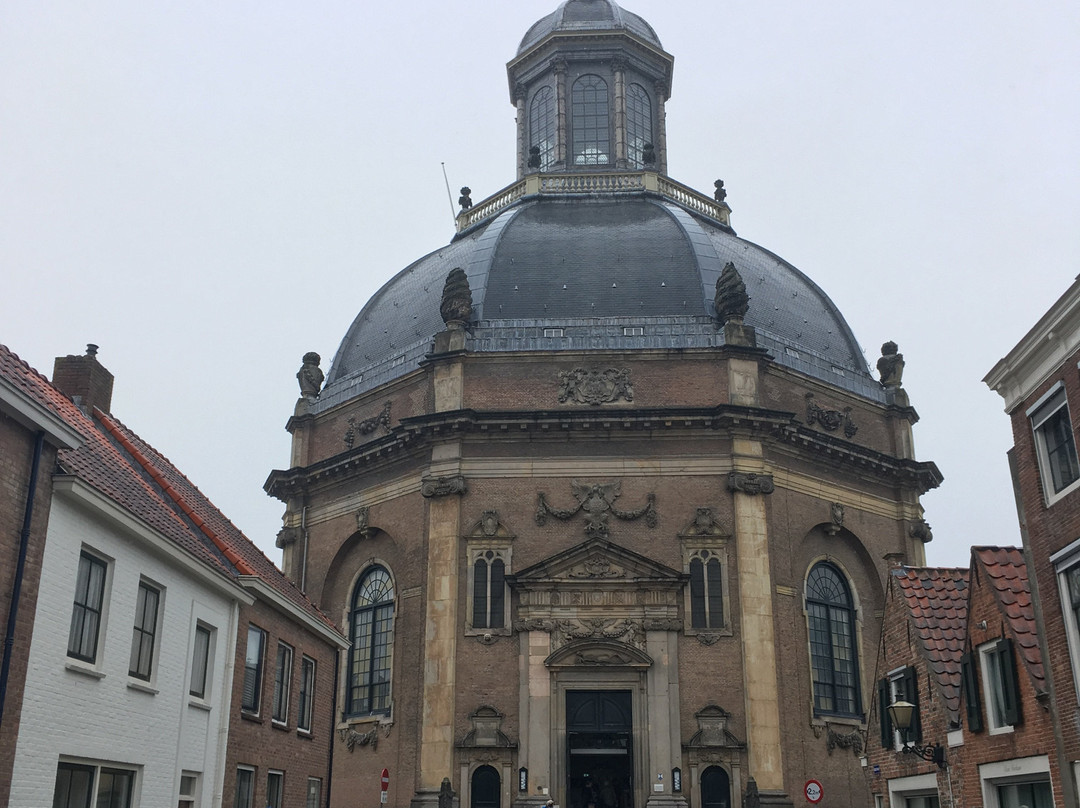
column 210, row 189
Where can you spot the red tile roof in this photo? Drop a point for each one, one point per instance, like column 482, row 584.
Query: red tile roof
column 1006, row 573
column 120, row 465
column 936, row 599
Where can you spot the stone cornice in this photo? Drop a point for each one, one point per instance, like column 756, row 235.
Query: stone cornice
column 413, row 434
column 1040, row 353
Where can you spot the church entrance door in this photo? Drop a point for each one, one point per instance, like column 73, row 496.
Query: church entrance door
column 715, row 788
column 600, row 765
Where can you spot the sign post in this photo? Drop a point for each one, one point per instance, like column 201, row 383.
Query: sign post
column 814, row 791
column 384, row 785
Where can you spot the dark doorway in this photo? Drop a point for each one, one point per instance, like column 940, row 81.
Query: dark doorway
column 600, row 755
column 715, row 788
column 486, row 791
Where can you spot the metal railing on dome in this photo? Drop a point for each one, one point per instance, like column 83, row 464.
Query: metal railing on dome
column 607, row 182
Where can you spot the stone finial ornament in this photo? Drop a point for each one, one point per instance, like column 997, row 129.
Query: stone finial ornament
column 720, row 194
column 891, row 365
column 465, row 200
column 534, row 157
column 310, row 376
column 752, row 798
column 446, row 794
column 456, row 306
column 731, row 301
column 648, row 154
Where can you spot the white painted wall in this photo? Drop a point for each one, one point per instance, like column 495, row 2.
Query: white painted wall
column 98, row 713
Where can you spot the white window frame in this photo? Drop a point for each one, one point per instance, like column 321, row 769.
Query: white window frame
column 97, row 766
column 251, row 772
column 279, row 775
column 1050, row 403
column 93, row 664
column 305, row 710
column 895, row 677
column 261, row 677
column 919, row 785
column 190, row 798
column 1017, row 770
column 208, row 679
column 155, row 652
column 317, row 783
column 1065, row 561
column 279, row 710
column 992, row 681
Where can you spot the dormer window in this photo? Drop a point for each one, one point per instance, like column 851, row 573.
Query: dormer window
column 639, row 129
column 591, row 121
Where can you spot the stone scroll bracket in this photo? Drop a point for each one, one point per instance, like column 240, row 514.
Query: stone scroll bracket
column 442, row 486
column 750, row 483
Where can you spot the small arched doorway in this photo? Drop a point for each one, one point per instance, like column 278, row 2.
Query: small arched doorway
column 715, row 788
column 486, row 789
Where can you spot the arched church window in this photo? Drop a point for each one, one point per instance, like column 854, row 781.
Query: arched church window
column 591, row 129
column 706, row 591
column 639, row 129
column 371, row 630
column 489, row 586
column 542, row 126
column 834, row 662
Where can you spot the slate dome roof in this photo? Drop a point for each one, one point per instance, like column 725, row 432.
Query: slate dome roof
column 627, row 272
column 589, row 15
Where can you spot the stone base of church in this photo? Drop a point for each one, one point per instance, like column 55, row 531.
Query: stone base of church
column 775, row 799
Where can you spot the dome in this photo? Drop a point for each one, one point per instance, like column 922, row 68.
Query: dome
column 589, row 15
column 628, row 272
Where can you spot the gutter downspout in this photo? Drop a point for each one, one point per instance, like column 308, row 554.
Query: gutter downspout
column 333, row 733
column 16, row 589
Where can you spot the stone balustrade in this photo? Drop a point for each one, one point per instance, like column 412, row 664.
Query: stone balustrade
column 601, row 182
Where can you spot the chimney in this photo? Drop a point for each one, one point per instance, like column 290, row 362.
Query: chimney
column 84, row 380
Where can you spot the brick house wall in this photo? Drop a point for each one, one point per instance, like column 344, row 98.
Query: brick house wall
column 1048, row 530
column 16, row 454
column 261, row 744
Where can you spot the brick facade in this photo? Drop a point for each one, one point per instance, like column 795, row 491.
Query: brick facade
column 17, row 443
column 256, row 740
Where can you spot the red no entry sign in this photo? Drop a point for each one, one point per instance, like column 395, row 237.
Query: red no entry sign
column 385, row 779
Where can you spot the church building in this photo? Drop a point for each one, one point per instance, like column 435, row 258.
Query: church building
column 603, row 496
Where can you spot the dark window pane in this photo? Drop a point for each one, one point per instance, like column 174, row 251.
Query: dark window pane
column 697, row 594
column 199, row 661
column 497, row 592
column 480, row 599
column 372, row 632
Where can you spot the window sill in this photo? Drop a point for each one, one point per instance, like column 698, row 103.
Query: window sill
column 305, row 734
column 280, row 725
column 252, row 717
column 838, row 720
column 1000, row 730
column 83, row 669
column 141, row 687
column 199, row 704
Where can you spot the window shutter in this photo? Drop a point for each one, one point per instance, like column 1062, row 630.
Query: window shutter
column 1010, row 683
column 969, row 677
column 883, row 713
column 911, row 692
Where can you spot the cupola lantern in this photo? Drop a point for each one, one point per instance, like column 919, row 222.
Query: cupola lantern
column 590, row 81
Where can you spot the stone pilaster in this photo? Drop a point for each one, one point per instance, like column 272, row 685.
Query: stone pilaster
column 760, row 681
column 442, row 488
column 620, row 114
column 661, row 127
column 561, row 118
column 664, row 733
column 534, row 710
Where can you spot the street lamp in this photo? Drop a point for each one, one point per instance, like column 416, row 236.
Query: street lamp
column 901, row 714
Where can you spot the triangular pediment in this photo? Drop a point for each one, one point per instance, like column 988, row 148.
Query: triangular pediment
column 596, row 561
